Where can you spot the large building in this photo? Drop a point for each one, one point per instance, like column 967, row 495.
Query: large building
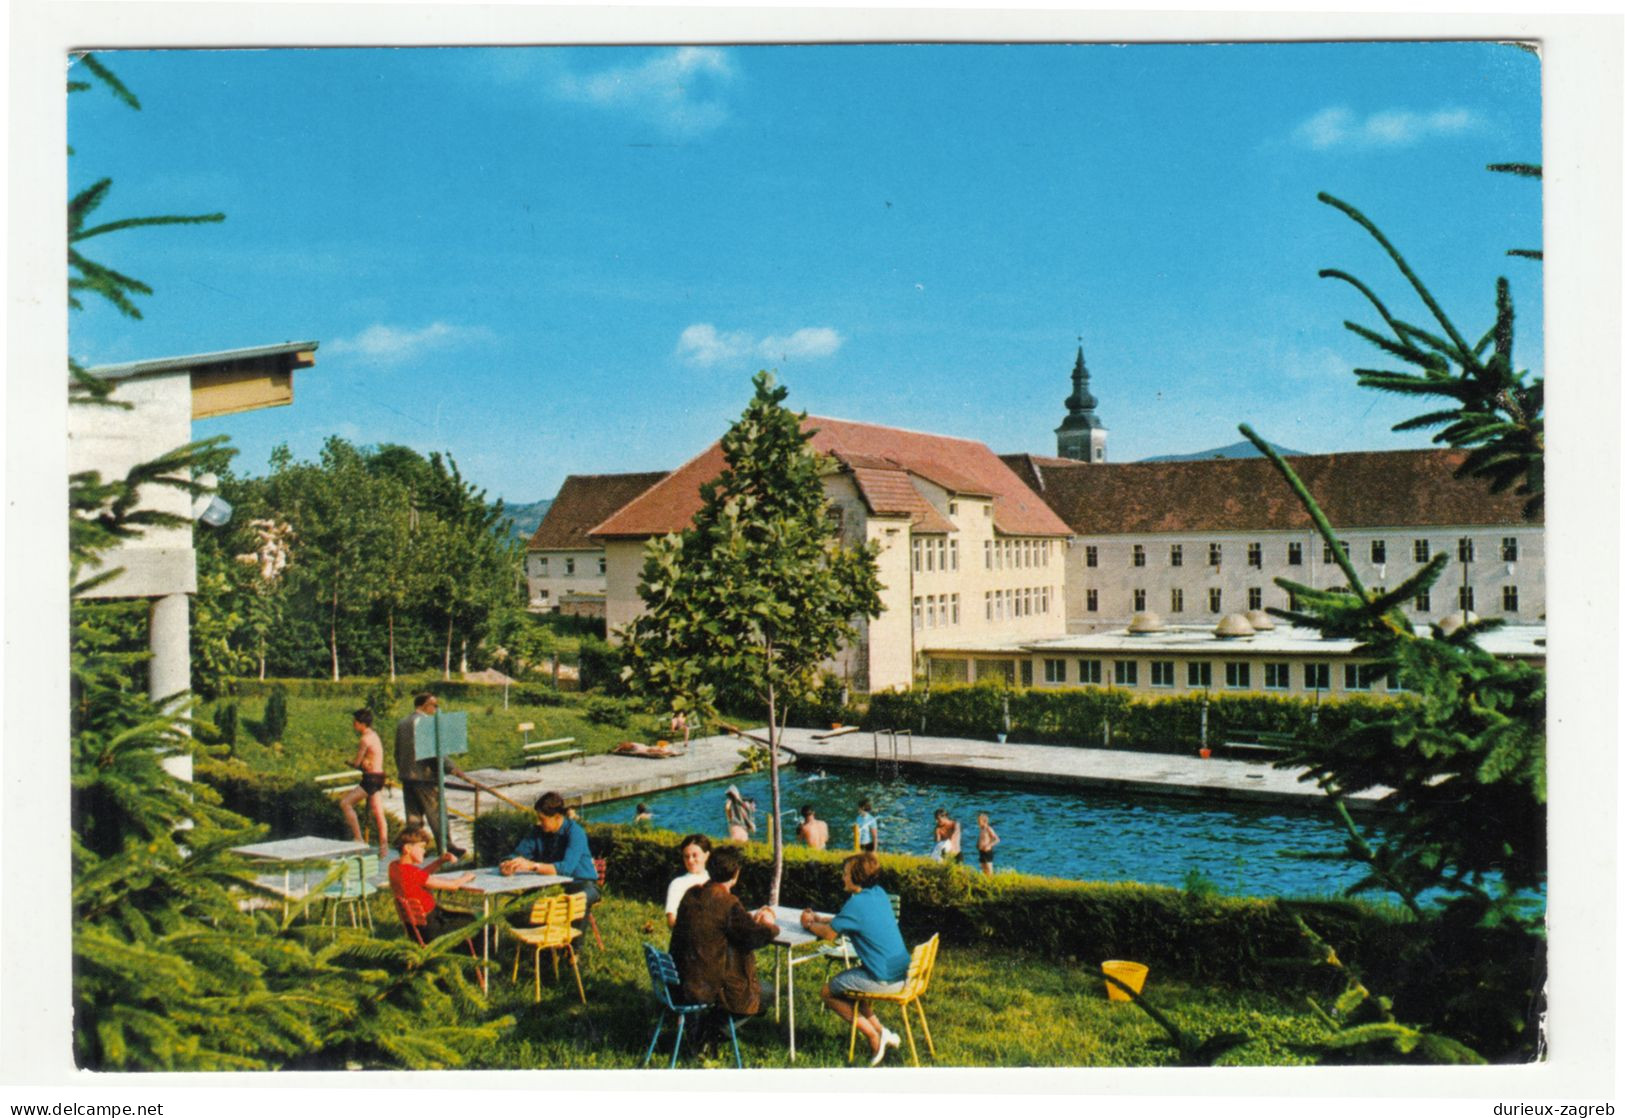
column 564, row 568
column 1195, row 540
column 967, row 552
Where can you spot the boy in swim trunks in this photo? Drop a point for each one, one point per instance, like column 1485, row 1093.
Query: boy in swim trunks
column 369, row 758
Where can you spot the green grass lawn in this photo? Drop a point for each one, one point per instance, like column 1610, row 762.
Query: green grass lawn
column 319, row 738
column 987, row 1007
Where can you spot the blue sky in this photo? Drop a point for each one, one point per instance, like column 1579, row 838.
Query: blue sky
column 571, row 260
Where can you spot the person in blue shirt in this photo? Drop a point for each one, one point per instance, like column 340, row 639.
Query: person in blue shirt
column 557, row 845
column 868, row 828
column 866, row 920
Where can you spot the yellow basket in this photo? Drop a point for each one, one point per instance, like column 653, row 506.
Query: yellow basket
column 1130, row 974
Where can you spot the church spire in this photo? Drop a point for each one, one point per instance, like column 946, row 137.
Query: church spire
column 1081, row 435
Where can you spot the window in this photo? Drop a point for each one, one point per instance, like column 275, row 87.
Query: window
column 1423, row 603
column 942, row 554
column 1126, row 672
column 541, row 565
column 569, row 566
column 954, row 601
column 1176, row 601
column 1215, row 600
column 1091, row 601
column 1238, row 674
column 987, row 603
column 1327, row 555
column 1139, row 601
column 1509, row 599
column 987, row 554
column 1054, row 671
column 1091, row 556
column 953, row 554
column 1139, row 555
column 1421, row 551
column 919, row 608
column 603, row 566
column 953, row 508
column 1464, row 598
column 1379, row 551
column 1176, row 555
column 1509, row 549
column 1394, row 682
column 1294, row 554
column 918, row 548
column 1255, row 555
column 1464, row 549
column 1162, row 673
column 1199, row 673
column 1026, row 673
column 1255, row 597
column 1215, row 554
column 1088, row 671
column 1277, row 677
column 1317, row 677
column 1359, row 677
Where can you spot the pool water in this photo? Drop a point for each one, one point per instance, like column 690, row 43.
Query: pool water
column 1085, row 834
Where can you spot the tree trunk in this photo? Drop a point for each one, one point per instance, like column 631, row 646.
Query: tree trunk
column 773, row 772
column 392, row 644
column 462, row 656
column 333, row 633
column 446, row 665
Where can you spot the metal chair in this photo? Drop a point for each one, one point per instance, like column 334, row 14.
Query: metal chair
column 551, row 920
column 665, row 981
column 921, row 965
column 353, row 889
column 597, row 864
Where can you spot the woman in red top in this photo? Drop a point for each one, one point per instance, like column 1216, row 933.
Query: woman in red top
column 411, row 880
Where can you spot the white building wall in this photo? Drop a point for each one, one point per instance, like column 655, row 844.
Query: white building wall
column 550, row 574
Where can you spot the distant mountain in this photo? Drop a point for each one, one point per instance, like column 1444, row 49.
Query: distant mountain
column 526, row 518
column 1242, row 449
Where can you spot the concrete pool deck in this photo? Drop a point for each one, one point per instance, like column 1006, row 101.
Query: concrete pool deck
column 611, row 776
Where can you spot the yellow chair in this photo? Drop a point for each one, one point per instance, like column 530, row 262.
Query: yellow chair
column 921, row 965
column 552, row 929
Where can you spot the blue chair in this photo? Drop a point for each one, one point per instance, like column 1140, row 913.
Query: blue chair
column 663, row 977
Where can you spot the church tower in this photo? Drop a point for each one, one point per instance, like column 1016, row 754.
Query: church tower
column 1081, row 435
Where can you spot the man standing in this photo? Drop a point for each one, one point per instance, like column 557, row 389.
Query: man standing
column 813, row 830
column 418, row 786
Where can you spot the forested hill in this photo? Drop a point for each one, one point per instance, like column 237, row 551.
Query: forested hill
column 526, row 518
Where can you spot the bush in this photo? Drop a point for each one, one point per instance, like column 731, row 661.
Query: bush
column 605, row 711
column 600, row 667
column 289, row 805
column 275, row 724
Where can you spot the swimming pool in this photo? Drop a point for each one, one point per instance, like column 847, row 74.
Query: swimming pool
column 1085, row 834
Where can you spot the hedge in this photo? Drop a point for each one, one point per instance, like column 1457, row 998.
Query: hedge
column 290, row 805
column 1079, row 716
column 385, row 695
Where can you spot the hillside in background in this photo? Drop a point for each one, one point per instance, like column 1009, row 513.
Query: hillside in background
column 526, row 518
column 1242, row 449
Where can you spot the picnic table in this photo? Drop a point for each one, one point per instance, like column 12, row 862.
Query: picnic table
column 489, row 882
column 304, row 851
column 792, row 937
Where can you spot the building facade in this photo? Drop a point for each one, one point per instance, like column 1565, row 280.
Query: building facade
column 964, row 547
column 565, row 570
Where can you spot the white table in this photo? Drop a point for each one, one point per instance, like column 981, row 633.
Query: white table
column 489, row 882
column 304, row 850
column 792, row 936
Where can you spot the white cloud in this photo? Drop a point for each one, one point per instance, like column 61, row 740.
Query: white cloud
column 389, row 344
column 1341, row 127
column 703, row 344
column 679, row 89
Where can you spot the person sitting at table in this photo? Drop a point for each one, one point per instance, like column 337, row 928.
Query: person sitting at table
column 695, row 849
column 715, row 940
column 557, row 845
column 866, row 920
column 411, row 880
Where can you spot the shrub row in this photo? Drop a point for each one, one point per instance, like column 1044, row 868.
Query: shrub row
column 290, row 805
column 385, row 695
column 1081, row 716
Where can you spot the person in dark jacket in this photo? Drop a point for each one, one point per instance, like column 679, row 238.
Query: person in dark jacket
column 714, row 940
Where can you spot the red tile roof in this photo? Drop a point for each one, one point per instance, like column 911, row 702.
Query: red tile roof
column 584, row 500
column 883, row 455
column 1366, row 489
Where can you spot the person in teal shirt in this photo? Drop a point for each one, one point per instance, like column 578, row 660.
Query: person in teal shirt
column 866, row 920
column 868, row 828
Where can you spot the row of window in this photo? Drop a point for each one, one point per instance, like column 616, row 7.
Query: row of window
column 998, row 555
column 539, row 566
column 1000, row 605
column 1238, row 674
column 1421, row 552
column 932, row 611
column 935, row 553
column 1465, row 599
